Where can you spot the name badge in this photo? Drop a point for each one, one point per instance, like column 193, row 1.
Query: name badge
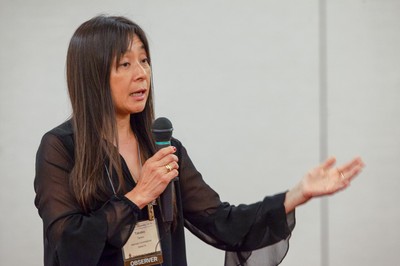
column 143, row 246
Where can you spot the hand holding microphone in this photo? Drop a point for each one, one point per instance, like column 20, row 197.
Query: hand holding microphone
column 158, row 172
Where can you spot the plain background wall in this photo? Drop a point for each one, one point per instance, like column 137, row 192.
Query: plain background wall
column 248, row 86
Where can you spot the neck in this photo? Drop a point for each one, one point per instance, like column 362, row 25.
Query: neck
column 125, row 133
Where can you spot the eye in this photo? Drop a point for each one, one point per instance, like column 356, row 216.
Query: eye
column 125, row 64
column 145, row 60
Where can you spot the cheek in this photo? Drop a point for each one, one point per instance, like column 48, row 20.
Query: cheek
column 116, row 85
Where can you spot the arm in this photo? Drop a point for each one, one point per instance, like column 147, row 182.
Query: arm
column 225, row 226
column 71, row 236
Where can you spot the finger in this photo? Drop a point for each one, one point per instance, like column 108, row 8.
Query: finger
column 354, row 172
column 174, row 165
column 347, row 177
column 170, row 166
column 163, row 152
column 169, row 159
column 166, row 175
column 356, row 162
column 171, row 175
column 328, row 163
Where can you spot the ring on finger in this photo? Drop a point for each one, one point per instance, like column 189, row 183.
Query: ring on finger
column 341, row 173
column 169, row 168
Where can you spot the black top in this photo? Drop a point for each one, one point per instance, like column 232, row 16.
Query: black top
column 257, row 233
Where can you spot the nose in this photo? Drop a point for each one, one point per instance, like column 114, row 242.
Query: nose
column 139, row 71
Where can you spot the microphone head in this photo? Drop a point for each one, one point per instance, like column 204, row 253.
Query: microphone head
column 162, row 129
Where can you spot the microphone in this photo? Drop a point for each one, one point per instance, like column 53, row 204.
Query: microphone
column 162, row 133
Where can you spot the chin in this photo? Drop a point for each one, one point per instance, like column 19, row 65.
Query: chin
column 137, row 110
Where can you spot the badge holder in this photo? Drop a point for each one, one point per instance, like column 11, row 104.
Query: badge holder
column 143, row 246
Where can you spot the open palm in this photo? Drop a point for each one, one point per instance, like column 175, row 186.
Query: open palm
column 326, row 179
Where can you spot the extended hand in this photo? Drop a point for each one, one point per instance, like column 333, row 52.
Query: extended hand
column 326, row 180
column 323, row 180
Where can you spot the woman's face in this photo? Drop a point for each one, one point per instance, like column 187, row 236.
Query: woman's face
column 130, row 80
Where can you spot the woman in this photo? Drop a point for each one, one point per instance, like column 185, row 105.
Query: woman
column 99, row 177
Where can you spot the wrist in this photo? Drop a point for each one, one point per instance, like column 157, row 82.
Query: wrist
column 294, row 198
column 136, row 198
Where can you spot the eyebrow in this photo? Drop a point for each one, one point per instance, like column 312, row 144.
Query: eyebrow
column 141, row 47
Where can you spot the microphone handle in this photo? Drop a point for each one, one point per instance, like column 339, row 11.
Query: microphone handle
column 166, row 196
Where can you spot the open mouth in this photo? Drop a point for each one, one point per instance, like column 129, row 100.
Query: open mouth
column 137, row 93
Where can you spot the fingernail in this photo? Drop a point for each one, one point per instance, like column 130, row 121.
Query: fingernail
column 174, row 148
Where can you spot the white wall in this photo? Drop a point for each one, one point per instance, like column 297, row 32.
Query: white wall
column 364, row 97
column 241, row 82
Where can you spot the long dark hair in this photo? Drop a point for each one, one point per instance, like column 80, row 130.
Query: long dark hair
column 92, row 50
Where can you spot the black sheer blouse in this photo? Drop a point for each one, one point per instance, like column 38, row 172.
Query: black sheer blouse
column 255, row 234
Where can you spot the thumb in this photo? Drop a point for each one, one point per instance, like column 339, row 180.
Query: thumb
column 328, row 163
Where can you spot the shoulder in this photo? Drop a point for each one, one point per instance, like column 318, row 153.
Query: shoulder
column 65, row 129
column 59, row 138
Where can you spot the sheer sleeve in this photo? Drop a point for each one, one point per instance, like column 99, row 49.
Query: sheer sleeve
column 72, row 237
column 254, row 234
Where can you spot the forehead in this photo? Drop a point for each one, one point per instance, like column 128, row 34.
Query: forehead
column 136, row 44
